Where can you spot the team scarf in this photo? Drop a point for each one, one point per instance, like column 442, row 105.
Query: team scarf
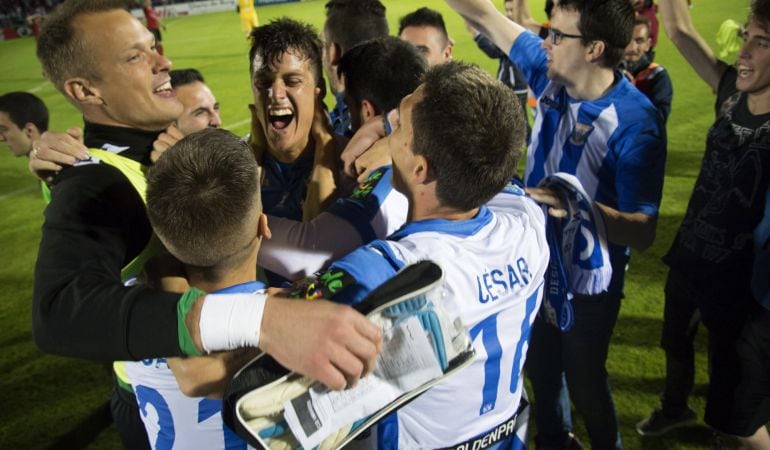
column 580, row 259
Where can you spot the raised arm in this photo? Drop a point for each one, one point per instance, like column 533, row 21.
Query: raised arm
column 679, row 27
column 492, row 23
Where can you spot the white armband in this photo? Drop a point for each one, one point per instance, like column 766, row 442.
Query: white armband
column 230, row 321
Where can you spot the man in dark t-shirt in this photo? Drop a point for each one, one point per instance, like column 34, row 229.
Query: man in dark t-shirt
column 711, row 258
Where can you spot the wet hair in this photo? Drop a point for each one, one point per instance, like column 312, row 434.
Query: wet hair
column 23, row 108
column 471, row 129
column 351, row 22
column 424, row 17
column 609, row 21
column 182, row 77
column 382, row 71
column 61, row 48
column 201, row 198
column 285, row 35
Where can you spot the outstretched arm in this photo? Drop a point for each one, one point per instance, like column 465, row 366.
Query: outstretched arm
column 679, row 27
column 492, row 23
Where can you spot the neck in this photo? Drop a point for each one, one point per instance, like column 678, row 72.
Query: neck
column 759, row 101
column 210, row 279
column 593, row 84
column 430, row 208
column 291, row 155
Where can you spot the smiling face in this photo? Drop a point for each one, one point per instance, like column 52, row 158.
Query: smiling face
column 754, row 61
column 133, row 88
column 639, row 45
column 201, row 109
column 285, row 92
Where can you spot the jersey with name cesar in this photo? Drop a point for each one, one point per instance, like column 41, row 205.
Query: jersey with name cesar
column 493, row 269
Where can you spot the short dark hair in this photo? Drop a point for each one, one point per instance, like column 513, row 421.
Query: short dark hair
column 471, row 129
column 424, row 17
column 285, row 35
column 182, row 77
column 609, row 21
column 60, row 49
column 549, row 4
column 23, row 108
column 641, row 20
column 760, row 12
column 351, row 22
column 382, row 71
column 200, row 196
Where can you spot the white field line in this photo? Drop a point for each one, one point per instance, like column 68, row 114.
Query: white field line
column 18, row 192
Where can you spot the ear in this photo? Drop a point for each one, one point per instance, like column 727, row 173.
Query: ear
column 31, row 131
column 595, row 51
column 263, row 230
column 335, row 54
column 421, row 170
column 448, row 50
column 367, row 110
column 81, row 90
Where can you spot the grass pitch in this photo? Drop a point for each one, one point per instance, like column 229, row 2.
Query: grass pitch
column 49, row 401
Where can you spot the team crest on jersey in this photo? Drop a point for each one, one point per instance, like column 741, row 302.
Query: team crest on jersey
column 364, row 189
column 580, row 133
column 548, row 102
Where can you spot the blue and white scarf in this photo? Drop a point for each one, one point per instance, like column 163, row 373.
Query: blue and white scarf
column 580, row 259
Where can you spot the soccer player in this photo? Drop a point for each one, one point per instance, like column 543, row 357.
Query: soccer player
column 288, row 87
column 96, row 224
column 592, row 123
column 23, row 118
column 348, row 23
column 249, row 19
column 425, row 30
column 214, row 229
column 378, row 74
column 449, row 161
column 714, row 268
column 649, row 77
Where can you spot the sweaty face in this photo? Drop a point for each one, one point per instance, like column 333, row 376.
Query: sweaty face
column 201, row 109
column 564, row 58
column 754, row 61
column 639, row 45
column 133, row 85
column 401, row 141
column 15, row 139
column 430, row 42
column 285, row 93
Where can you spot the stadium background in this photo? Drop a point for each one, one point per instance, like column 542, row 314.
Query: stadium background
column 53, row 402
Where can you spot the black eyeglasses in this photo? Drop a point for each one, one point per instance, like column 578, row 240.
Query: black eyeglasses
column 557, row 36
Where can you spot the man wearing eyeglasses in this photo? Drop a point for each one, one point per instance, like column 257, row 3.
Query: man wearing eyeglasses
column 592, row 123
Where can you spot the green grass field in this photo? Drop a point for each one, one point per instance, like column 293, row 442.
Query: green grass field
column 48, row 401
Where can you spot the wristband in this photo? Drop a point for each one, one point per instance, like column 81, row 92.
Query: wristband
column 230, row 321
column 183, row 306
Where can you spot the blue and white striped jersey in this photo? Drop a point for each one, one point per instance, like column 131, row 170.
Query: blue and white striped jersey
column 493, row 266
column 615, row 145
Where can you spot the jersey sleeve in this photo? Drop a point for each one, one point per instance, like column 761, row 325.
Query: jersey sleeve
column 351, row 278
column 640, row 166
column 528, row 55
column 94, row 225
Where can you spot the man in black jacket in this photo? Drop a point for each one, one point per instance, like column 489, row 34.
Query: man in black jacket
column 106, row 64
